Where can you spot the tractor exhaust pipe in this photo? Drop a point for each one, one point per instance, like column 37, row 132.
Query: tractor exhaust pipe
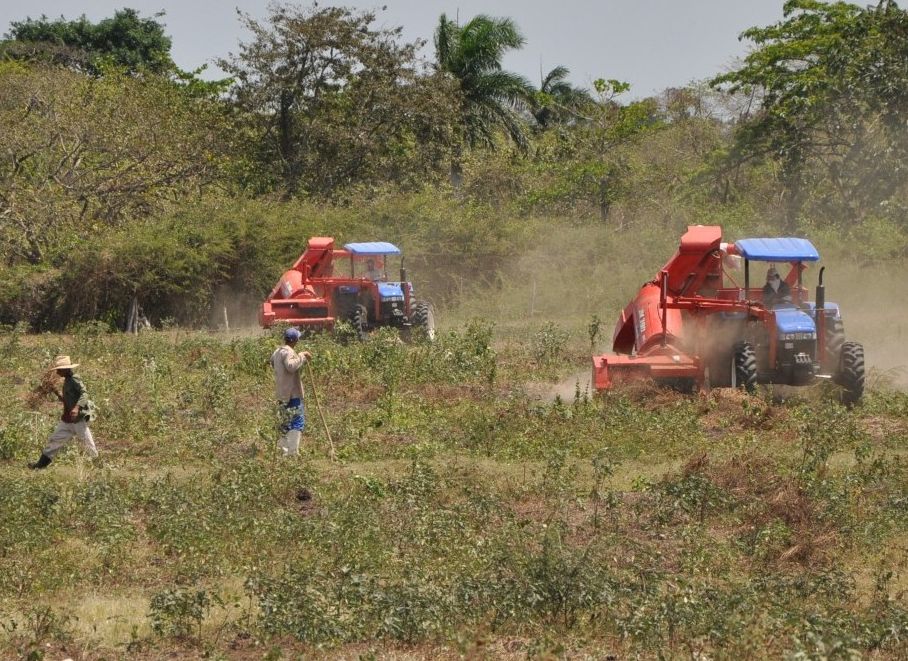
column 820, row 318
column 820, row 298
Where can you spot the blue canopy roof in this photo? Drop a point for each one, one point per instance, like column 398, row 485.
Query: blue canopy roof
column 372, row 248
column 783, row 249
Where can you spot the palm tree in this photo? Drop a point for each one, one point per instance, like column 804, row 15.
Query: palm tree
column 557, row 100
column 491, row 98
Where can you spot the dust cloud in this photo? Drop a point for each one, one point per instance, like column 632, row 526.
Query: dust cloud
column 236, row 311
column 568, row 275
column 565, row 390
column 872, row 298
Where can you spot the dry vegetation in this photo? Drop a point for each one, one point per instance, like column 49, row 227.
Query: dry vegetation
column 469, row 514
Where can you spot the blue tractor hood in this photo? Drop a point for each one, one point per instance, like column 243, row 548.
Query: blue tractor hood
column 390, row 290
column 793, row 320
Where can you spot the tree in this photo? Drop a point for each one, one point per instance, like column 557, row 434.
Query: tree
column 126, row 41
column 83, row 153
column 591, row 164
column 834, row 88
column 336, row 102
column 490, row 98
column 558, row 101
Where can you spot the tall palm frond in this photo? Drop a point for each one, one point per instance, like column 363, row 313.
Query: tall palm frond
column 445, row 37
column 491, row 96
column 555, row 79
column 557, row 100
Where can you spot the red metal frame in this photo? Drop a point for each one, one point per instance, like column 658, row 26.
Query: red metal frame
column 662, row 360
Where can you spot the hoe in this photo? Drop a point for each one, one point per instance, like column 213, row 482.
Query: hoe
column 695, row 327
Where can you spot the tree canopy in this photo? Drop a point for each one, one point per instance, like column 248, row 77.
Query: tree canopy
column 337, row 101
column 126, row 40
column 833, row 83
column 557, row 100
column 491, row 97
column 81, row 154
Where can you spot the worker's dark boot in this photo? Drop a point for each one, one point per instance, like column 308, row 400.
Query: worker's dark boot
column 43, row 462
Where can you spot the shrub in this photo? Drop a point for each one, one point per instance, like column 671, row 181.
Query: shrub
column 180, row 613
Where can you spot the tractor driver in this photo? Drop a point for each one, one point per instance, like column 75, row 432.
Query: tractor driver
column 372, row 271
column 775, row 290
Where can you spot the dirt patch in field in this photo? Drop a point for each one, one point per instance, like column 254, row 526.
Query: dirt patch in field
column 726, row 410
column 765, row 494
column 350, row 396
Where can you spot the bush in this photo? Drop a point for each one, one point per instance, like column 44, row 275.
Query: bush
column 180, row 613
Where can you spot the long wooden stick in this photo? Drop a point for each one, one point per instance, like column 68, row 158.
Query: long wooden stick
column 318, row 406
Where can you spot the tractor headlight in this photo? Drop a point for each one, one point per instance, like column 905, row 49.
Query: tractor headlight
column 790, row 337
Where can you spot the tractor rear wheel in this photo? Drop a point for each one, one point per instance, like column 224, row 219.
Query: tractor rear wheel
column 359, row 319
column 851, row 372
column 835, row 340
column 424, row 318
column 744, row 367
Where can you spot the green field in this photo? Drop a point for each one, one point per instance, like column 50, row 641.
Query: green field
column 482, row 504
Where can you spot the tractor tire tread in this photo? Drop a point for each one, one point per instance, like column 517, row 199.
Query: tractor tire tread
column 745, row 366
column 835, row 340
column 359, row 319
column 851, row 372
column 423, row 318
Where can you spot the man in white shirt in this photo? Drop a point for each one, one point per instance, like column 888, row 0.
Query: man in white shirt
column 286, row 363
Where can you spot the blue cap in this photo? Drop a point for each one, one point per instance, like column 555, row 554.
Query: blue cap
column 291, row 334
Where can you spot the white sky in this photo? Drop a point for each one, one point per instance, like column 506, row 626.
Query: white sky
column 652, row 44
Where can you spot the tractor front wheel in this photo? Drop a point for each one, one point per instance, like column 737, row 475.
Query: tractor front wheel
column 744, row 367
column 851, row 372
column 835, row 340
column 424, row 318
column 359, row 319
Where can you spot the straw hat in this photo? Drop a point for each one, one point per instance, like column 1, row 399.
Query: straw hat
column 62, row 363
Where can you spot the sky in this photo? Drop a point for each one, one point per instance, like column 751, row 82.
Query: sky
column 651, row 44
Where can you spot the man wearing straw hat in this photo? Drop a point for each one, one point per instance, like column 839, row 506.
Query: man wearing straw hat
column 286, row 363
column 78, row 411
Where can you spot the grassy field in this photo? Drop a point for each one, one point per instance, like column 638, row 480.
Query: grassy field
column 481, row 505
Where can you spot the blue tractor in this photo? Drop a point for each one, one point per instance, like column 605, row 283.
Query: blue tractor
column 800, row 341
column 380, row 300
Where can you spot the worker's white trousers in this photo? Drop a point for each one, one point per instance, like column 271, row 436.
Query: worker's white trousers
column 65, row 433
column 290, row 443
